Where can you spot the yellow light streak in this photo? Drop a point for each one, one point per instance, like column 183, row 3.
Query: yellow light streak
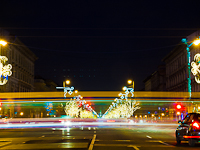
column 102, row 94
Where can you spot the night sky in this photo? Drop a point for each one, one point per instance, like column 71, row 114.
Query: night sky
column 98, row 45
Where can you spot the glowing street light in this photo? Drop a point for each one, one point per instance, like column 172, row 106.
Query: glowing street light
column 131, row 82
column 3, row 43
column 66, row 82
column 196, row 42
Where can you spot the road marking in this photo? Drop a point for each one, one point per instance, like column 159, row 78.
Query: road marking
column 126, row 145
column 92, row 142
column 4, row 143
column 149, row 137
column 116, row 140
column 152, row 141
column 135, row 147
column 165, row 143
column 42, row 136
column 122, row 140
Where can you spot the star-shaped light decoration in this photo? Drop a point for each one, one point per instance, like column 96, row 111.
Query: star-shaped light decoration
column 5, row 70
column 196, row 67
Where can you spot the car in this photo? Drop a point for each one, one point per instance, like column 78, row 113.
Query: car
column 189, row 129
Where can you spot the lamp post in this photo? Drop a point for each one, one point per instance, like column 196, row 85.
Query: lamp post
column 196, row 42
column 130, row 82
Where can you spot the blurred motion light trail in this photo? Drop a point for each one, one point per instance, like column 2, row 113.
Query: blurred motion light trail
column 72, row 124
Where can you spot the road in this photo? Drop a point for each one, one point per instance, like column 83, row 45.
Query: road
column 93, row 138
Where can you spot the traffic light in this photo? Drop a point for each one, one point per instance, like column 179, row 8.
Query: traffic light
column 179, row 106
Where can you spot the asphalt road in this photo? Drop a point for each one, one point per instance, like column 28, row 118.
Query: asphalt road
column 93, row 138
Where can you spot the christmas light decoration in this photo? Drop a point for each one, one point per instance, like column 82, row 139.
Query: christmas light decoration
column 122, row 107
column 68, row 90
column 5, row 70
column 196, row 68
column 79, row 108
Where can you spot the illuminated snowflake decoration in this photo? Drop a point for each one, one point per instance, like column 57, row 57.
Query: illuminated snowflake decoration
column 123, row 96
column 5, row 70
column 68, row 90
column 196, row 67
column 127, row 92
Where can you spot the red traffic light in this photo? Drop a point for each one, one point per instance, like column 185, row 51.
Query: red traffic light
column 178, row 106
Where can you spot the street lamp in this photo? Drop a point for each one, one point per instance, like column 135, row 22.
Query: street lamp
column 3, row 43
column 196, row 42
column 130, row 82
column 66, row 82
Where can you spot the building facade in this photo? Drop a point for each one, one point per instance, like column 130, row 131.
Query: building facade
column 44, row 85
column 157, row 80
column 22, row 60
column 177, row 66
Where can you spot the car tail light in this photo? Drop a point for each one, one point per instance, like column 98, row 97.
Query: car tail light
column 195, row 125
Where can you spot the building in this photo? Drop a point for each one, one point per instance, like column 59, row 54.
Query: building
column 177, row 67
column 22, row 60
column 44, row 85
column 157, row 80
